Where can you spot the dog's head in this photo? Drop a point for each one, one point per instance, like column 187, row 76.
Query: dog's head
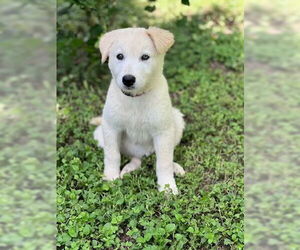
column 135, row 56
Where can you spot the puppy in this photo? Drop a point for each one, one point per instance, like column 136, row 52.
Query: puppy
column 138, row 118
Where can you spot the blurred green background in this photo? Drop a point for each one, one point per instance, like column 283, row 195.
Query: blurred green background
column 27, row 124
column 272, row 141
column 205, row 73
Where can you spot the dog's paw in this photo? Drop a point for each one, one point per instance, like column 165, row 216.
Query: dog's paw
column 127, row 169
column 168, row 188
column 178, row 170
column 110, row 176
column 134, row 164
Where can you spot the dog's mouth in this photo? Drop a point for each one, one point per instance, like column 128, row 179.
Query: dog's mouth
column 131, row 94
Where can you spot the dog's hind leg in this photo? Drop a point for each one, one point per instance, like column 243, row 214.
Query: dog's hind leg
column 178, row 170
column 179, row 125
column 98, row 136
column 134, row 164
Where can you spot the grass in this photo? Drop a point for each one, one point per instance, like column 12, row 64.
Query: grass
column 27, row 193
column 205, row 74
column 272, row 126
column 27, row 126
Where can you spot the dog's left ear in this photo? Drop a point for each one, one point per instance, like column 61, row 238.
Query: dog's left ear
column 105, row 43
column 162, row 39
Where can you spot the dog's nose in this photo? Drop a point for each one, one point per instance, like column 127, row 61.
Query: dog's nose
column 128, row 80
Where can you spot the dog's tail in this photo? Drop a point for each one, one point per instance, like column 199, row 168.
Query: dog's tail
column 96, row 121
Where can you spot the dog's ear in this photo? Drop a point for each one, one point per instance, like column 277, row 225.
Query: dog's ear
column 105, row 43
column 162, row 39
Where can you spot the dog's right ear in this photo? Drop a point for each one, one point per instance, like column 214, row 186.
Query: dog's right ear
column 105, row 43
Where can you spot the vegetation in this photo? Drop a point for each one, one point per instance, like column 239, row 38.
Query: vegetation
column 27, row 125
column 205, row 74
column 272, row 121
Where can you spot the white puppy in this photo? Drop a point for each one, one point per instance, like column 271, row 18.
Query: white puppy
column 138, row 117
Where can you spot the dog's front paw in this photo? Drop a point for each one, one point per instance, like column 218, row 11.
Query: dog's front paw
column 110, row 176
column 168, row 188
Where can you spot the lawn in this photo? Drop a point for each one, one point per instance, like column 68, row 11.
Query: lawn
column 205, row 73
column 272, row 121
column 27, row 125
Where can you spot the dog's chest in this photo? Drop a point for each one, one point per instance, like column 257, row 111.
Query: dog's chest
column 139, row 118
column 137, row 124
column 138, row 135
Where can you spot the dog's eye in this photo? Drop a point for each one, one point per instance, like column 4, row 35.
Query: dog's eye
column 120, row 56
column 145, row 57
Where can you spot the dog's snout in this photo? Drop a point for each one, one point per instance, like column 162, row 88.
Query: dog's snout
column 128, row 80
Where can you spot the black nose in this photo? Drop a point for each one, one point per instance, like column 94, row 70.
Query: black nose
column 128, row 80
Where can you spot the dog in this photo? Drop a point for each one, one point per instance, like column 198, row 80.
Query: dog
column 138, row 118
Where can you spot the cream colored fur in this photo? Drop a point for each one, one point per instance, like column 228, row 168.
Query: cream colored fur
column 145, row 123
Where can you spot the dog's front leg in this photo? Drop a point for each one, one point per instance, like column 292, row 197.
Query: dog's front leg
column 112, row 155
column 164, row 148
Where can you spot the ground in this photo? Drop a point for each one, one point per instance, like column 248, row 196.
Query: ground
column 272, row 125
column 205, row 74
column 204, row 69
